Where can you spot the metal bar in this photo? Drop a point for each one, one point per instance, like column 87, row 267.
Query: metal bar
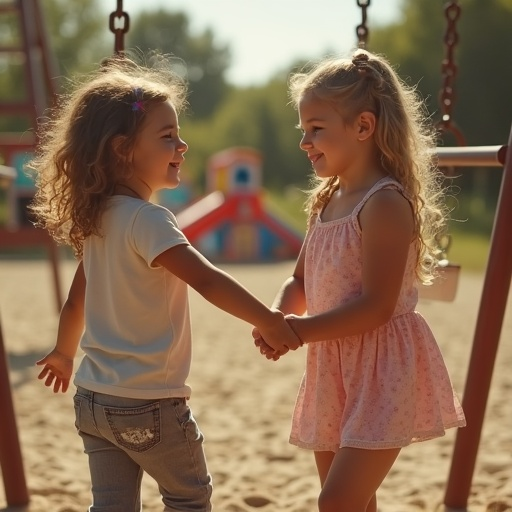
column 50, row 66
column 11, row 460
column 26, row 27
column 15, row 108
column 485, row 345
column 34, row 59
column 472, row 156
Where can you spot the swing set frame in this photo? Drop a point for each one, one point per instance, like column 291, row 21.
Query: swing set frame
column 490, row 315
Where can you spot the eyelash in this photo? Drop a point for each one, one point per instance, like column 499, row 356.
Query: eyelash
column 314, row 129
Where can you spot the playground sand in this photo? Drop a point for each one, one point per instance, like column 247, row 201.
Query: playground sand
column 243, row 405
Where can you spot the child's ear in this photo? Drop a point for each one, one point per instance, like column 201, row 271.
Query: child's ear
column 366, row 125
column 118, row 145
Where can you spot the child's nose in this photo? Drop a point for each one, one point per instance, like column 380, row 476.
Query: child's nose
column 304, row 143
column 182, row 146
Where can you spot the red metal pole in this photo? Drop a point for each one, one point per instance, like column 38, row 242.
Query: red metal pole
column 11, row 460
column 485, row 345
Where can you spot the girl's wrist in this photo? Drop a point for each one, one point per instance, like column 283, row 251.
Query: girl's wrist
column 297, row 323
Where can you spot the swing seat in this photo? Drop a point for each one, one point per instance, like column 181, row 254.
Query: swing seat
column 445, row 284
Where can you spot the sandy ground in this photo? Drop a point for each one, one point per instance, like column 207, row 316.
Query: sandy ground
column 243, row 404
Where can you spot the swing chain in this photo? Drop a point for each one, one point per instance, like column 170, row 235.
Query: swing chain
column 449, row 69
column 119, row 32
column 362, row 29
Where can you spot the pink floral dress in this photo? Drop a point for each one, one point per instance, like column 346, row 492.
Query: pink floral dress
column 384, row 388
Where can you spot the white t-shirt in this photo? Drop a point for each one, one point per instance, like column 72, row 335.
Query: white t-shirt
column 137, row 338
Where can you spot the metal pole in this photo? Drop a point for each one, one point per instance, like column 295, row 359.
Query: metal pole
column 485, row 345
column 472, row 156
column 11, row 460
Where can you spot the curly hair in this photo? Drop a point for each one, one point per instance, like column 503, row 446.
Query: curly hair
column 405, row 138
column 76, row 168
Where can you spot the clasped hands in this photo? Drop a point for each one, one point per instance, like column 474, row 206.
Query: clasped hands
column 273, row 348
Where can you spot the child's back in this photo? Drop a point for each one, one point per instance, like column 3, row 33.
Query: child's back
column 137, row 340
column 113, row 143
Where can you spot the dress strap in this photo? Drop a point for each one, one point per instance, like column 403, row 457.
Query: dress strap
column 383, row 183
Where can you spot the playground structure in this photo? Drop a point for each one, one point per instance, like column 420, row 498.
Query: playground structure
column 492, row 305
column 231, row 223
column 16, row 148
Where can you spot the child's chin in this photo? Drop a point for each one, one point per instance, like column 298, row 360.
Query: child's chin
column 174, row 183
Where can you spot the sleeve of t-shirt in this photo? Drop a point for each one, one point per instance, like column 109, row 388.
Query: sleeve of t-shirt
column 154, row 230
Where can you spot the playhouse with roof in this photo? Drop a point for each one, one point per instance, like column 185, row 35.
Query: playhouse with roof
column 231, row 223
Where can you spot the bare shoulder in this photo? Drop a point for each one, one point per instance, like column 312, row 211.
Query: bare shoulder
column 387, row 209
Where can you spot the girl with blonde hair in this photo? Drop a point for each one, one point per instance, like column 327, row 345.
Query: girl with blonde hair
column 375, row 380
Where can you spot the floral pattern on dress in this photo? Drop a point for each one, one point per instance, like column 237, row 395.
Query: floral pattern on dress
column 385, row 388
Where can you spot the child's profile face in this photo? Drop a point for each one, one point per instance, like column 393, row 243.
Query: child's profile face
column 332, row 144
column 158, row 150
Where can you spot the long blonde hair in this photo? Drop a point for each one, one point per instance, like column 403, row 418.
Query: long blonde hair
column 367, row 83
column 76, row 167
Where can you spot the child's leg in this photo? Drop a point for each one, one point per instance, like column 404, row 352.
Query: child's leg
column 159, row 436
column 178, row 462
column 353, row 479
column 323, row 464
column 115, row 477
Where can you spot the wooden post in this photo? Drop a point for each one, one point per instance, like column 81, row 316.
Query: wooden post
column 11, row 460
column 485, row 345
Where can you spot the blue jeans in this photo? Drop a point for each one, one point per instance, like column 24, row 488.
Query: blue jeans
column 124, row 437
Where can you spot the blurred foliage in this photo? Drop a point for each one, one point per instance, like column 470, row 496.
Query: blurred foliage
column 78, row 33
column 483, row 54
column 222, row 115
column 12, row 86
column 199, row 58
column 257, row 117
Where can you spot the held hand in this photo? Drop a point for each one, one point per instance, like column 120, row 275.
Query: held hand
column 264, row 348
column 278, row 334
column 57, row 371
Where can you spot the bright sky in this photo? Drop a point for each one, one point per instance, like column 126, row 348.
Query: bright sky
column 265, row 36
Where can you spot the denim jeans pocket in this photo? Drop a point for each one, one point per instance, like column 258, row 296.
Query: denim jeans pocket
column 135, row 428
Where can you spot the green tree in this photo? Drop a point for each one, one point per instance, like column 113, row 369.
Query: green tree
column 12, row 88
column 415, row 44
column 483, row 55
column 203, row 62
column 73, row 29
column 77, row 31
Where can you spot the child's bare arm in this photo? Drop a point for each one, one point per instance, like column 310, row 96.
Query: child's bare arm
column 226, row 293
column 290, row 298
column 387, row 233
column 58, row 364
